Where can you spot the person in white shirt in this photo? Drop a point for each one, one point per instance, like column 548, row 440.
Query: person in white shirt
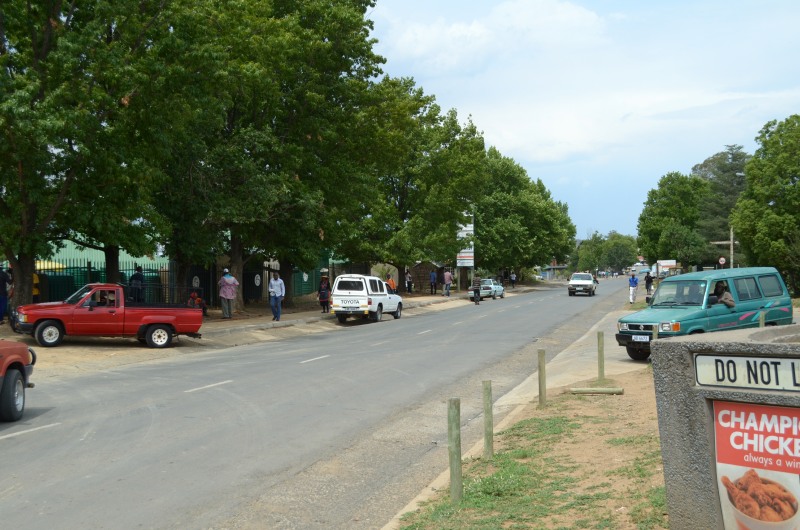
column 277, row 290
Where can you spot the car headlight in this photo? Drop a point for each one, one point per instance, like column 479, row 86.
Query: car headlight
column 673, row 327
column 622, row 326
column 22, row 317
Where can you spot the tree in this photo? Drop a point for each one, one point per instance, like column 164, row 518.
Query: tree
column 69, row 140
column 424, row 182
column 724, row 172
column 517, row 224
column 590, row 253
column 619, row 251
column 673, row 206
column 766, row 218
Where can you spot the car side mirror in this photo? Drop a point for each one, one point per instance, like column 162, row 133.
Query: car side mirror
column 647, row 299
column 712, row 299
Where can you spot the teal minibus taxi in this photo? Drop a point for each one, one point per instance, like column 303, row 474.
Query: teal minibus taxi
column 687, row 304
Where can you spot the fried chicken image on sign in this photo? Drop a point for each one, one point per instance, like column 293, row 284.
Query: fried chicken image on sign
column 760, row 498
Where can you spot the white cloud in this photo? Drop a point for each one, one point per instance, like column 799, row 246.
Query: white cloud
column 580, row 95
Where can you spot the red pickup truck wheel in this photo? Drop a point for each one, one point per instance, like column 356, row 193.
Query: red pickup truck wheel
column 12, row 397
column 159, row 336
column 49, row 333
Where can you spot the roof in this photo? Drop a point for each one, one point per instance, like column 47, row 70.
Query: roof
column 720, row 274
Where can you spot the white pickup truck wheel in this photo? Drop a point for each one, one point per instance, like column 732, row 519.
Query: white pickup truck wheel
column 158, row 336
column 378, row 314
column 398, row 311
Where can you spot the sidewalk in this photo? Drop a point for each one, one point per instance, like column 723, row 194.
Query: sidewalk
column 259, row 316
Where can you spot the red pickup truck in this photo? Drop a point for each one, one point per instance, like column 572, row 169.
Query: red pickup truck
column 16, row 367
column 101, row 309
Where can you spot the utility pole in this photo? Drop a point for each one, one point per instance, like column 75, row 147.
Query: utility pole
column 731, row 242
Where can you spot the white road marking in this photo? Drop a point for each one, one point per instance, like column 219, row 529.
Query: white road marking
column 314, row 359
column 424, row 332
column 28, row 431
column 209, row 386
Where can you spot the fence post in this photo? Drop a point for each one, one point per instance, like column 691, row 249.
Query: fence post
column 454, row 448
column 601, row 357
column 542, row 380
column 488, row 421
column 762, row 317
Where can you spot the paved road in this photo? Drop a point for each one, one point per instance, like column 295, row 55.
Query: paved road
column 336, row 429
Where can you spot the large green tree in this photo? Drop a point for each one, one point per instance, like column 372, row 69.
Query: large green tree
column 72, row 147
column 619, row 251
column 724, row 173
column 766, row 218
column 517, row 223
column 426, row 175
column 674, row 207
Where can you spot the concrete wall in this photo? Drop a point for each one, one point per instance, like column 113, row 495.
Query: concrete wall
column 685, row 414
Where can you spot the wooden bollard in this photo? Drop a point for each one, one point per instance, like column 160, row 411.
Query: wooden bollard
column 488, row 422
column 762, row 317
column 606, row 390
column 542, row 380
column 454, row 448
column 601, row 357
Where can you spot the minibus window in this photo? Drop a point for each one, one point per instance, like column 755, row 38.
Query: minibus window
column 770, row 285
column 747, row 288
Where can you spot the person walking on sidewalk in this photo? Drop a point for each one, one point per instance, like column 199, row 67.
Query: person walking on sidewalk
column 277, row 290
column 227, row 293
column 433, row 281
column 448, row 281
column 324, row 293
column 476, row 288
column 409, row 281
column 633, row 285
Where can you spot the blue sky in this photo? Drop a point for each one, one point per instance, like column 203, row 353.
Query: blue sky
column 600, row 99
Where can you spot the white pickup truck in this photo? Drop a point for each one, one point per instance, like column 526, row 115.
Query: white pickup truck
column 364, row 296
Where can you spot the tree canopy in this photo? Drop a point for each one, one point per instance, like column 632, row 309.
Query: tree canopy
column 766, row 218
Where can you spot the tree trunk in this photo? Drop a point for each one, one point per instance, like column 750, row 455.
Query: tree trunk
column 111, row 253
column 286, row 275
column 23, row 268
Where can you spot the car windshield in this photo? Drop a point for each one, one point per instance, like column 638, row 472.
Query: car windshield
column 486, row 282
column 582, row 277
column 686, row 292
column 78, row 295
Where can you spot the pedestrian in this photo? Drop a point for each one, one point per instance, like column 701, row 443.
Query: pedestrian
column 5, row 281
column 136, row 285
column 513, row 279
column 448, row 281
column 324, row 293
column 277, row 290
column 227, row 292
column 633, row 285
column 433, row 281
column 648, row 283
column 476, row 288
column 36, row 291
column 409, row 281
column 392, row 285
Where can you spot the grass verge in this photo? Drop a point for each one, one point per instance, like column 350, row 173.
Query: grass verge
column 582, row 462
